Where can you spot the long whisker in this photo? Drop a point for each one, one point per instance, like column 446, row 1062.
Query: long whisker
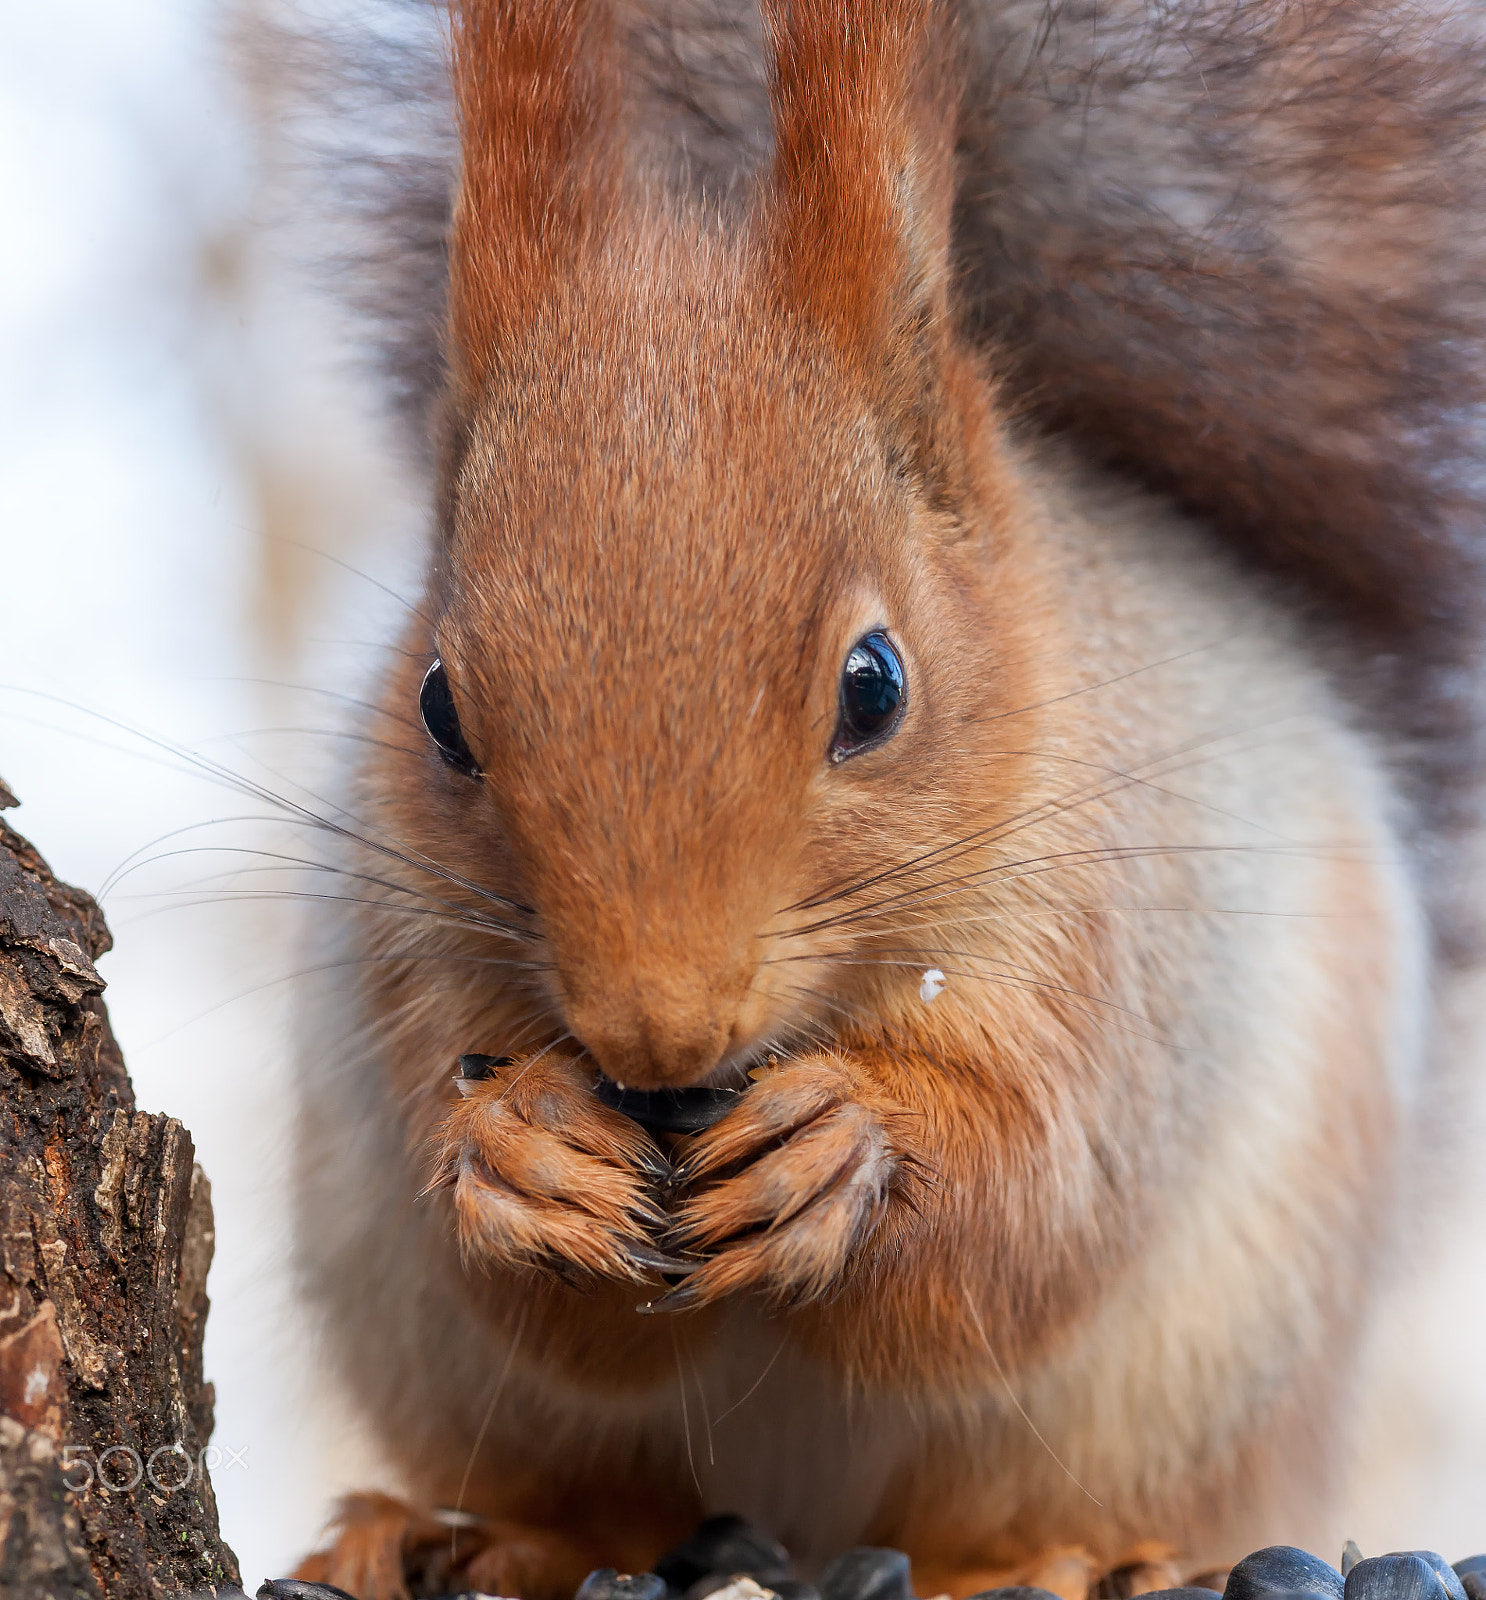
column 1125, row 778
column 336, row 694
column 1036, row 866
column 1070, row 800
column 685, row 1414
column 1033, row 866
column 837, row 892
column 1011, row 1395
column 310, row 864
column 1011, row 980
column 354, row 735
column 426, row 1087
column 379, row 646
column 181, row 898
column 361, row 834
column 547, row 1050
column 366, row 577
column 696, row 1373
column 1054, row 913
column 843, row 1008
column 123, row 868
column 756, row 1385
column 495, row 1394
column 1109, row 683
column 335, row 966
column 182, row 764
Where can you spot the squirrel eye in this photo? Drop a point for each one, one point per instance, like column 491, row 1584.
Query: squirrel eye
column 442, row 720
column 873, row 687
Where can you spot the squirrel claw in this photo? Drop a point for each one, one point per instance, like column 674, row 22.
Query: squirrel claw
column 682, row 1298
column 653, row 1164
column 543, row 1176
column 644, row 1255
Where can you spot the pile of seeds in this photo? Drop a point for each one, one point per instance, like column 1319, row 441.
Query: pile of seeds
column 727, row 1559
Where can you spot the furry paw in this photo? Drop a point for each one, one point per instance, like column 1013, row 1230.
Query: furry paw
column 787, row 1186
column 543, row 1175
column 526, row 1562
column 382, row 1549
column 371, row 1534
column 1070, row 1572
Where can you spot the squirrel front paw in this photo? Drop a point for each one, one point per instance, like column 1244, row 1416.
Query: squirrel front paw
column 788, row 1186
column 544, row 1175
column 383, row 1549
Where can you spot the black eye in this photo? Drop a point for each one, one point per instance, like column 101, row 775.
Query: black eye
column 872, row 693
column 442, row 721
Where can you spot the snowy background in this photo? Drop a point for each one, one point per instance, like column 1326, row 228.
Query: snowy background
column 199, row 513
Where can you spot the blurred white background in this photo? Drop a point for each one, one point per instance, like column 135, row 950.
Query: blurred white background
column 174, row 449
column 178, row 438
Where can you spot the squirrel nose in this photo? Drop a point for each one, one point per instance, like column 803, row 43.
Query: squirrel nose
column 664, row 1029
column 659, row 1042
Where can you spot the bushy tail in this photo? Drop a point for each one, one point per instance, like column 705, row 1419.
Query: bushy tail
column 1237, row 251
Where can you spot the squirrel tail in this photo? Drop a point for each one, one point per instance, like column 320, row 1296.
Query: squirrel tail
column 1237, row 253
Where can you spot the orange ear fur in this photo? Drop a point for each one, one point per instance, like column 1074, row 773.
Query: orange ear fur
column 534, row 89
column 858, row 220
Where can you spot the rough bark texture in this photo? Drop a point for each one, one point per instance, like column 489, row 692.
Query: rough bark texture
column 105, row 1240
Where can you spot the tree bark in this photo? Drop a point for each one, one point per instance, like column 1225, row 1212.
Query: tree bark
column 105, row 1241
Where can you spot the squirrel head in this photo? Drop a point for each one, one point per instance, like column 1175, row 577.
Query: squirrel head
column 727, row 588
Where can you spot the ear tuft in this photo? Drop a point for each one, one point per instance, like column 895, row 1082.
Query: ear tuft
column 535, row 91
column 857, row 213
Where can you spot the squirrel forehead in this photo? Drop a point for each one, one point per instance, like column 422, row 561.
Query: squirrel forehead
column 625, row 476
column 666, row 389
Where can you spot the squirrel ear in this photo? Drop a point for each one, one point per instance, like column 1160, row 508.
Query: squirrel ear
column 535, row 94
column 856, row 215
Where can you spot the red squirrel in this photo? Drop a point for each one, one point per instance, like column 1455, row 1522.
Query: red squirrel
column 949, row 637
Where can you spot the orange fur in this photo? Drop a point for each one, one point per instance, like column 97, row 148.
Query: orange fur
column 379, row 1541
column 534, row 107
column 1088, row 1239
column 860, row 216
